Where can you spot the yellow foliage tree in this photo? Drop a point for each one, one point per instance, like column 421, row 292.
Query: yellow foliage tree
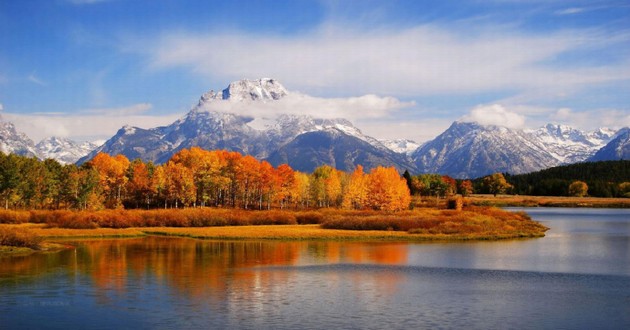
column 113, row 176
column 578, row 189
column 496, row 184
column 355, row 195
column 387, row 190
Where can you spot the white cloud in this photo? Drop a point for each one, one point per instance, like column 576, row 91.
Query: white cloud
column 570, row 11
column 36, row 80
column 416, row 61
column 86, row 126
column 416, row 130
column 592, row 119
column 122, row 111
column 495, row 114
column 367, row 106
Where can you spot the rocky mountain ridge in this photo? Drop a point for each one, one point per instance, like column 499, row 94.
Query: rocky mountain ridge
column 464, row 150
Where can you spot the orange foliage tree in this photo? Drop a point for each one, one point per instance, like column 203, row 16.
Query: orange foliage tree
column 387, row 190
column 355, row 196
column 113, row 177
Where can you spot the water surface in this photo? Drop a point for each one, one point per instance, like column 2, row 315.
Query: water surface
column 578, row 277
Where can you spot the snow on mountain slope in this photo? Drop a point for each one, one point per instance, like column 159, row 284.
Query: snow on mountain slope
column 569, row 145
column 470, row 150
column 63, row 150
column 264, row 89
column 251, row 131
column 12, row 141
column 618, row 148
column 401, row 146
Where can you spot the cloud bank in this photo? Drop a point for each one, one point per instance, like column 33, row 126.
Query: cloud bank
column 422, row 60
column 353, row 108
column 495, row 114
column 90, row 125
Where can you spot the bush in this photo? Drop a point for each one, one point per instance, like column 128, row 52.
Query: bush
column 309, row 218
column 14, row 217
column 455, row 203
column 19, row 237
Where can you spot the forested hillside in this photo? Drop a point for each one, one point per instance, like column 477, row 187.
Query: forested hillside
column 604, row 179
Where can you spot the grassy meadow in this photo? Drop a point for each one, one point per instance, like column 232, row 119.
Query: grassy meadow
column 31, row 229
column 547, row 201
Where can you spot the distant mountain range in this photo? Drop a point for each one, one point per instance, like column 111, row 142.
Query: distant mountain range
column 63, row 150
column 464, row 150
column 301, row 141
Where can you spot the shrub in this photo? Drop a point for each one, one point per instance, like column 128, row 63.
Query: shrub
column 455, row 203
column 19, row 237
column 10, row 216
column 74, row 220
column 309, row 218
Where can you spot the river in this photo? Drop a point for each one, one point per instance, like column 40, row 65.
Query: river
column 577, row 277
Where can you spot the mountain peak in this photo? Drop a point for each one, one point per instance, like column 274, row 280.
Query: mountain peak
column 263, row 89
column 64, row 150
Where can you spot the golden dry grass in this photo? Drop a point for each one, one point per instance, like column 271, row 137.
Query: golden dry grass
column 475, row 223
column 315, row 232
column 547, row 201
column 278, row 232
column 42, row 230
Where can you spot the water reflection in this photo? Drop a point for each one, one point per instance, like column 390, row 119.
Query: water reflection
column 194, row 268
column 576, row 277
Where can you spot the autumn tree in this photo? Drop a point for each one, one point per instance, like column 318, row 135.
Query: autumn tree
column 10, row 177
column 431, row 185
column 179, row 184
column 624, row 189
column 466, row 188
column 249, row 179
column 578, row 189
column 289, row 189
column 387, row 190
column 496, row 184
column 159, row 185
column 450, row 185
column 113, row 176
column 269, row 183
column 140, row 186
column 356, row 193
column 88, row 190
column 303, row 189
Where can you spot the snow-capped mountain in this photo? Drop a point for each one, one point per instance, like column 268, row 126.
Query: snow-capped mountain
column 264, row 89
column 64, row 150
column 618, row 148
column 401, row 146
column 470, row 150
column 12, row 141
column 258, row 133
column 569, row 145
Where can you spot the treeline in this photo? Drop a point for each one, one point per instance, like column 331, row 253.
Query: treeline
column 193, row 177
column 602, row 179
column 437, row 185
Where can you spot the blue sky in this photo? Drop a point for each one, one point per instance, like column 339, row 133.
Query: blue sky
column 84, row 68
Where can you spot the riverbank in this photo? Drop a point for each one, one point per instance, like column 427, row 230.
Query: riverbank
column 546, row 201
column 409, row 226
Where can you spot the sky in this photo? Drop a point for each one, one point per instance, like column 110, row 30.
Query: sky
column 397, row 69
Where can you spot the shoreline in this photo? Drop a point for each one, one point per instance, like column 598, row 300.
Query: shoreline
column 547, row 201
column 420, row 225
column 54, row 238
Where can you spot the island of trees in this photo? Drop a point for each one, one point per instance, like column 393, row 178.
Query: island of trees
column 201, row 188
